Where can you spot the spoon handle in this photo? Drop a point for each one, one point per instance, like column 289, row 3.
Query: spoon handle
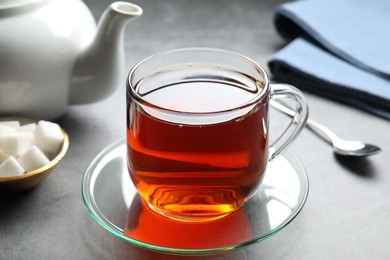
column 319, row 129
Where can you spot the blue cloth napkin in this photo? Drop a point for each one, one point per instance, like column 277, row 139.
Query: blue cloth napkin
column 338, row 49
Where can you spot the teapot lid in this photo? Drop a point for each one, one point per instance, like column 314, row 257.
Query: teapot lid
column 17, row 6
column 13, row 2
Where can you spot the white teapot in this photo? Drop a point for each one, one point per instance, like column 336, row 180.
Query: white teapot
column 52, row 54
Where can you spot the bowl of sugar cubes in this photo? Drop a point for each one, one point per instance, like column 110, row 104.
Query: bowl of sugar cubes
column 29, row 150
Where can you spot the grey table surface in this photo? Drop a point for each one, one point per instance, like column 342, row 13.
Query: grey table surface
column 347, row 214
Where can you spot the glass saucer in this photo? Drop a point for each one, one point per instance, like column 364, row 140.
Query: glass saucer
column 113, row 202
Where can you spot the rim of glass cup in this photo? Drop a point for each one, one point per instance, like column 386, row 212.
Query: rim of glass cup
column 256, row 99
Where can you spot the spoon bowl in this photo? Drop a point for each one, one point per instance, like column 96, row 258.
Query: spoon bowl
column 354, row 148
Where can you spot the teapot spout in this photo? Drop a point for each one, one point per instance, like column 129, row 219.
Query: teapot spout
column 98, row 69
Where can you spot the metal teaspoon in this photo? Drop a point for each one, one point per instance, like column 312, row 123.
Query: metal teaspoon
column 340, row 146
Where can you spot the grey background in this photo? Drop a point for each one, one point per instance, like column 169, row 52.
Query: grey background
column 347, row 215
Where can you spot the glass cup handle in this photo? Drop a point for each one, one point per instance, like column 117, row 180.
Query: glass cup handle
column 285, row 91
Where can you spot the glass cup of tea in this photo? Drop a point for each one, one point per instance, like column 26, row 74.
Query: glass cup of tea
column 197, row 131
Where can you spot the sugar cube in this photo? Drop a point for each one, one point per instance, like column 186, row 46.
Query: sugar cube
column 27, row 128
column 3, row 156
column 16, row 143
column 48, row 136
column 33, row 159
column 14, row 124
column 4, row 130
column 11, row 167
